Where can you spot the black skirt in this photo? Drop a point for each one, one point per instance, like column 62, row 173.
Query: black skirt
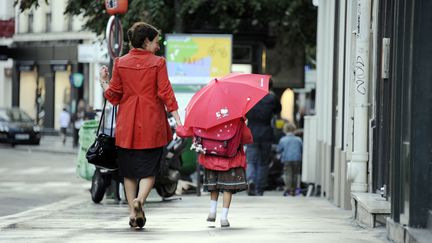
column 232, row 180
column 139, row 163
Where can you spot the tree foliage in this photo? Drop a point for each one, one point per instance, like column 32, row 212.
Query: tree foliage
column 289, row 22
column 27, row 4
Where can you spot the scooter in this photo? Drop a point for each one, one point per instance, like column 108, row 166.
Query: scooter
column 275, row 171
column 275, row 176
column 167, row 180
column 106, row 181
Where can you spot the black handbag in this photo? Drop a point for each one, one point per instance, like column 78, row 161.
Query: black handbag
column 103, row 153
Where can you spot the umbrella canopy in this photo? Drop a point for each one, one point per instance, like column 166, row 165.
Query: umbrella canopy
column 225, row 99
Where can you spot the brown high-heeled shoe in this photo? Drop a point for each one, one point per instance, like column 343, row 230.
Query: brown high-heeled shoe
column 139, row 213
column 132, row 223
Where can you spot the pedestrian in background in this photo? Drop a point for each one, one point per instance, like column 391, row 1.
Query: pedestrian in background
column 90, row 114
column 78, row 120
column 290, row 148
column 64, row 123
column 140, row 87
column 259, row 153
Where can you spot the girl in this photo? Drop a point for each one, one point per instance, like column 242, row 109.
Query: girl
column 224, row 175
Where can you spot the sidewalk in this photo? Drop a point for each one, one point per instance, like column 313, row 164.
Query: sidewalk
column 51, row 144
column 271, row 218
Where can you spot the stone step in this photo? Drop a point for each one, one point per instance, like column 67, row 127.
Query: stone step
column 370, row 209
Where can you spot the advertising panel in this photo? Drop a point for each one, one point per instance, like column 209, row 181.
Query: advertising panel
column 194, row 59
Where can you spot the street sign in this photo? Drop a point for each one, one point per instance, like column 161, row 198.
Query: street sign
column 114, row 36
column 116, row 6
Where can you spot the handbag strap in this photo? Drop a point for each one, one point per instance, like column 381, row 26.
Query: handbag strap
column 113, row 115
column 103, row 121
column 101, row 118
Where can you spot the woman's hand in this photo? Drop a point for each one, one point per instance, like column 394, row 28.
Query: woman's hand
column 103, row 77
column 103, row 73
column 176, row 117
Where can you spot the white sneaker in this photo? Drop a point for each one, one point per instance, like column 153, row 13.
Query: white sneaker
column 225, row 223
column 211, row 217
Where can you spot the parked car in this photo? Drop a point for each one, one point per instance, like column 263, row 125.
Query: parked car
column 16, row 127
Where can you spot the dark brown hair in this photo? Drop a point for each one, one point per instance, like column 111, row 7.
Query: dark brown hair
column 139, row 32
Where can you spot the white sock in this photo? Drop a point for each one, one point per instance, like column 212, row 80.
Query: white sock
column 213, row 206
column 224, row 213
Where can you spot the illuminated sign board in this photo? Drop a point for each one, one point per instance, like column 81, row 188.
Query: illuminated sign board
column 197, row 58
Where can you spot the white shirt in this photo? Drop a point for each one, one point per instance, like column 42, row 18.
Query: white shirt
column 64, row 119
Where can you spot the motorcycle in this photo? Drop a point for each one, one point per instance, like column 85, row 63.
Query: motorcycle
column 109, row 182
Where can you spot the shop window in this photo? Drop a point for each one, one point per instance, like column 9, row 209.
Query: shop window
column 242, row 54
column 61, row 95
column 287, row 102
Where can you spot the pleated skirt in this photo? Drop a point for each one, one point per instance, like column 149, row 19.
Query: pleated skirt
column 233, row 180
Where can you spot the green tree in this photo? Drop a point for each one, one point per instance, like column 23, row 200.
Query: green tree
column 287, row 26
column 290, row 22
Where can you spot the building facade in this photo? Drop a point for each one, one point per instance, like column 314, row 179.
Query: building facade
column 7, row 30
column 373, row 94
column 46, row 74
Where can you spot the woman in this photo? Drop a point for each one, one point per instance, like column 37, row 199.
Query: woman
column 140, row 86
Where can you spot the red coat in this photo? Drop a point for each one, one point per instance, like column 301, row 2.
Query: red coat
column 141, row 88
column 221, row 163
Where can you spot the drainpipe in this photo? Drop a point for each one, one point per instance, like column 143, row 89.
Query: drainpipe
column 357, row 167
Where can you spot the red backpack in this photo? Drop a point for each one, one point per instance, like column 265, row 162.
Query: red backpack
column 221, row 140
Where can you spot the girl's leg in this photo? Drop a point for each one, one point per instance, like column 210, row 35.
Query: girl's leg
column 213, row 206
column 214, row 195
column 297, row 175
column 227, row 196
column 131, row 188
column 227, row 199
column 287, row 184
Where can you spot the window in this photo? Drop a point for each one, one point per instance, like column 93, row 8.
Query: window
column 242, row 53
column 30, row 22
column 48, row 22
column 69, row 23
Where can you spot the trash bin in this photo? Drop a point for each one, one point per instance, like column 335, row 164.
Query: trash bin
column 87, row 135
column 189, row 159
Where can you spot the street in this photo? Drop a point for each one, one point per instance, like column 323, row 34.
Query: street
column 30, row 179
column 44, row 201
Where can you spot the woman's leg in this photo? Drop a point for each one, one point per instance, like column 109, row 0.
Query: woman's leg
column 145, row 186
column 136, row 204
column 131, row 188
